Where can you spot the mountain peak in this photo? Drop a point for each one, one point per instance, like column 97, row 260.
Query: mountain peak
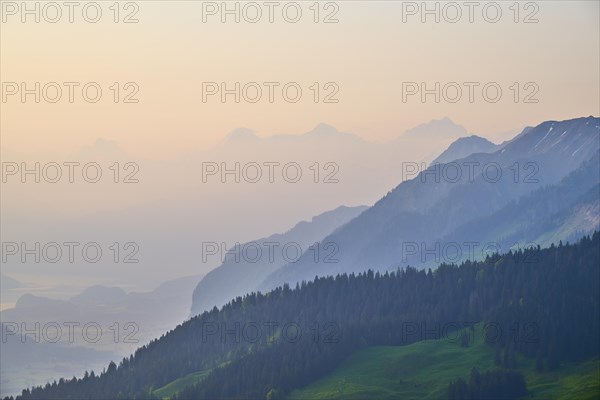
column 437, row 128
column 465, row 146
column 98, row 295
column 242, row 134
column 329, row 132
column 323, row 129
column 446, row 120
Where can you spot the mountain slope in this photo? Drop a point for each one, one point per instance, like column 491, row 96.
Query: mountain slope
column 437, row 201
column 564, row 211
column 333, row 318
column 422, row 371
column 246, row 267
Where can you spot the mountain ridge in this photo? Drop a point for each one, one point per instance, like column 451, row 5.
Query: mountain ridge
column 425, row 204
column 239, row 275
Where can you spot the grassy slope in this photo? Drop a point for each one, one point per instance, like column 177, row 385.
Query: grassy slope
column 571, row 381
column 170, row 389
column 422, row 371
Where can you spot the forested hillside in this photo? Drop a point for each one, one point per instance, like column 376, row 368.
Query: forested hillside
column 543, row 302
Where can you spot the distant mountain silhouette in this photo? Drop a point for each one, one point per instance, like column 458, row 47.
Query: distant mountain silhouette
column 8, row 283
column 238, row 277
column 437, row 129
column 338, row 167
column 153, row 312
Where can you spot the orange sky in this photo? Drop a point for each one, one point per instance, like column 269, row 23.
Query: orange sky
column 367, row 56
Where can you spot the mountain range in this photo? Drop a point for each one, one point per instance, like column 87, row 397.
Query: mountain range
column 136, row 316
column 477, row 203
column 338, row 168
column 412, row 223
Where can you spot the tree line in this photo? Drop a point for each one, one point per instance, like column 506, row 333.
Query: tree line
column 543, row 302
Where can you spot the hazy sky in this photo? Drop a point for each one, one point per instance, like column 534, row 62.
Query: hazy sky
column 367, row 55
column 361, row 67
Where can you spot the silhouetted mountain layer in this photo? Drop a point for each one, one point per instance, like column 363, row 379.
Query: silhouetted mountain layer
column 248, row 264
